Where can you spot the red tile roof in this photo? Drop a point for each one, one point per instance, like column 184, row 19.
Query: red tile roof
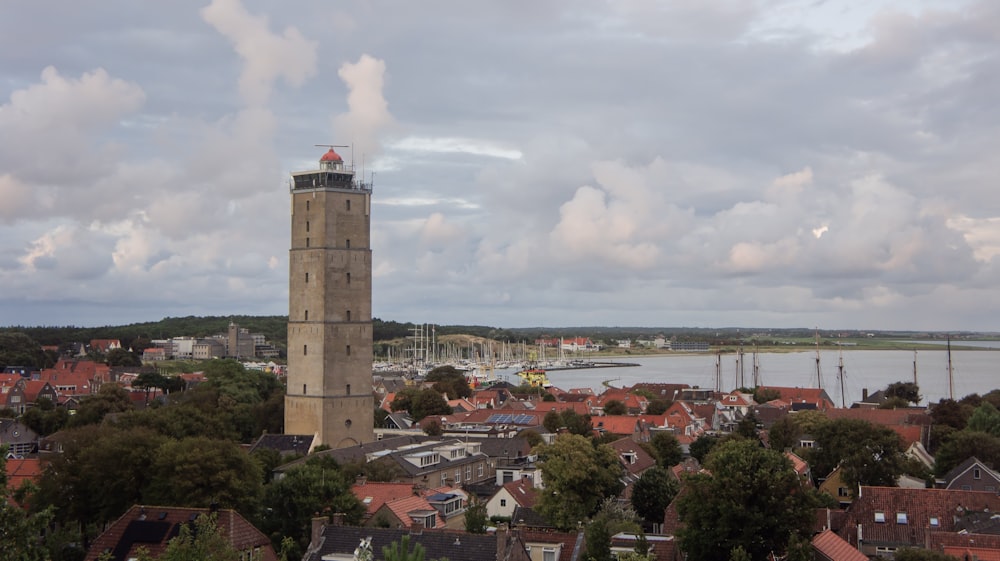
column 830, row 546
column 523, row 492
column 402, row 508
column 374, row 495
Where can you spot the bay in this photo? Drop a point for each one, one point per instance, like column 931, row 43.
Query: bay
column 975, row 371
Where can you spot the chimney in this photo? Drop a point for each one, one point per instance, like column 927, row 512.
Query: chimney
column 318, row 522
column 360, row 480
column 416, row 526
column 864, row 394
column 337, row 519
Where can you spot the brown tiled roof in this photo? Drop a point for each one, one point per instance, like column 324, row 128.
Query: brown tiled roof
column 616, row 424
column 643, row 460
column 947, row 506
column 523, row 492
column 830, row 546
column 884, row 417
column 815, row 396
column 402, row 508
column 153, row 526
column 985, row 546
column 456, row 546
column 374, row 495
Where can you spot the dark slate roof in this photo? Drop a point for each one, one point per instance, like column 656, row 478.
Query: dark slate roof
column 358, row 453
column 456, row 546
column 529, row 518
column 965, row 466
column 516, row 447
column 298, row 444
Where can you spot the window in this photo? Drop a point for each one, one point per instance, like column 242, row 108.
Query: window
column 303, row 389
column 307, row 277
column 966, row 487
column 480, row 470
column 549, row 554
column 348, row 389
column 503, row 502
column 444, row 478
column 348, row 205
column 305, row 350
column 307, row 242
column 348, row 315
column 842, row 492
column 458, row 476
column 935, row 522
column 880, row 517
column 976, row 474
column 307, row 205
column 347, row 244
column 900, row 518
column 307, row 315
column 348, row 278
column 468, row 473
column 348, row 350
column 307, row 225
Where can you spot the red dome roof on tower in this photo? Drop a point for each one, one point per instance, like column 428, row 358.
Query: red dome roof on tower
column 331, row 156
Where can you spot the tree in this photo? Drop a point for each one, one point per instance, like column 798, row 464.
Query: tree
column 433, row 428
column 20, row 532
column 658, row 406
column 111, row 398
column 316, row 486
column 420, row 403
column 986, row 419
column 615, row 407
column 784, row 433
column 867, row 454
column 45, row 418
column 913, row 554
column 763, row 395
column 400, row 551
column 200, row 471
column 577, row 475
column 747, row 427
column 18, row 349
column 951, row 413
column 667, row 449
column 653, row 492
column 122, row 357
column 701, row 447
column 573, row 422
column 962, row 445
column 476, row 518
column 447, row 379
column 907, row 391
column 750, row 497
column 611, row 519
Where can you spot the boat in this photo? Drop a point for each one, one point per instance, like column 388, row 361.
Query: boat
column 535, row 377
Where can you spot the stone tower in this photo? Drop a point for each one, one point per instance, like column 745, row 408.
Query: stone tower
column 330, row 306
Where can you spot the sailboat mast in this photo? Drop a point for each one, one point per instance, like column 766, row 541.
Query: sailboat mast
column 840, row 374
column 951, row 373
column 718, row 371
column 914, row 367
column 819, row 374
column 756, row 366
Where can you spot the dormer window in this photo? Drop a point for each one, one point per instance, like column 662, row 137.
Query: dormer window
column 935, row 522
column 880, row 517
column 900, row 518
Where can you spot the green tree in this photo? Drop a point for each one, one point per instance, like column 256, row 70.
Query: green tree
column 913, row 554
column 867, row 454
column 907, row 391
column 701, row 447
column 986, row 419
column 666, row 448
column 763, row 395
column 772, row 503
column 552, row 421
column 597, row 538
column 122, row 357
column 951, row 413
column 433, row 428
column 111, row 398
column 577, row 475
column 573, row 422
column 316, row 486
column 653, row 492
column 615, row 407
column 476, row 518
column 199, row 471
column 20, row 532
column 962, row 445
column 612, row 518
column 401, row 551
column 45, row 418
column 739, row 554
column 448, row 380
column 18, row 349
column 784, row 433
column 420, row 403
column 658, row 406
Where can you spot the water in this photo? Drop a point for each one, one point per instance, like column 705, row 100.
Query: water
column 974, row 372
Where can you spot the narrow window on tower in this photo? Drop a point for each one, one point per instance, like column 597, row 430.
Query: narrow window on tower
column 307, row 242
column 348, row 278
column 348, row 244
column 307, row 277
column 303, row 389
column 348, row 350
column 307, row 315
column 307, row 205
column 305, row 350
column 348, row 315
column 348, row 205
column 307, row 225
column 348, row 389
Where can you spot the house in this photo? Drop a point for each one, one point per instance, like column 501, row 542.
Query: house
column 105, row 345
column 635, row 461
column 511, row 495
column 154, row 354
column 835, row 487
column 972, row 475
column 802, row 398
column 285, row 444
column 884, row 519
column 18, row 438
column 335, row 542
column 546, row 544
column 152, row 527
column 621, row 425
column 662, row 548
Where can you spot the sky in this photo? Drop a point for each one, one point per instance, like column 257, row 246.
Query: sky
column 702, row 163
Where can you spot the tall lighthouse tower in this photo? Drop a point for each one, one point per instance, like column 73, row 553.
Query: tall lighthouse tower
column 330, row 306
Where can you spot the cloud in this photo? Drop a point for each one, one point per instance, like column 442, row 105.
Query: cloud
column 266, row 56
column 368, row 111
